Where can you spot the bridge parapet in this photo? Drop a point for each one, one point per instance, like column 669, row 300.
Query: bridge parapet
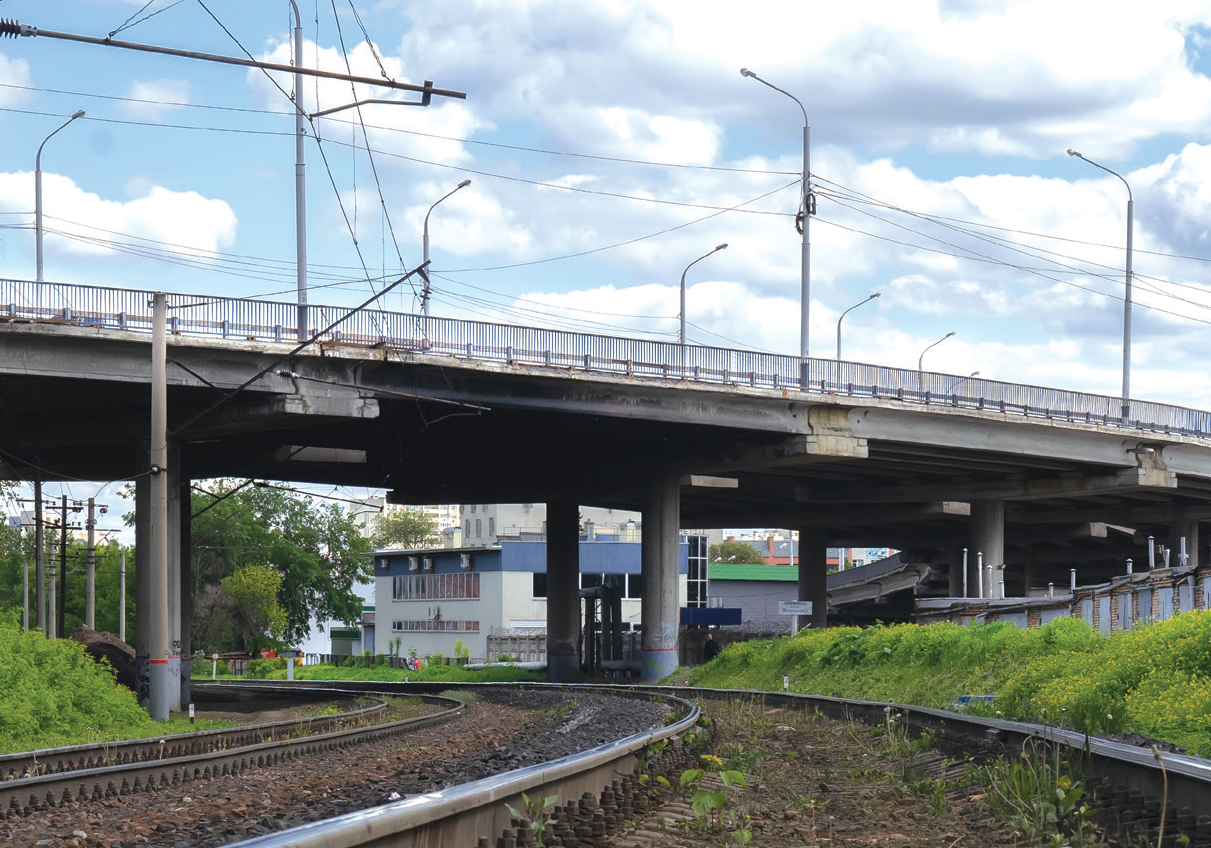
column 276, row 322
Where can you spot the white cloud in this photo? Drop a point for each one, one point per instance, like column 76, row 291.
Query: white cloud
column 14, row 73
column 156, row 98
column 77, row 222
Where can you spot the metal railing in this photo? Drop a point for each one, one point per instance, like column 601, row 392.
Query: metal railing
column 271, row 321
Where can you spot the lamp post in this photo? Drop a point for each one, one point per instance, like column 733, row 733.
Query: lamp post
column 921, row 359
column 846, row 312
column 681, row 334
column 802, row 221
column 958, row 383
column 1127, row 291
column 300, row 177
column 424, row 298
column 38, row 194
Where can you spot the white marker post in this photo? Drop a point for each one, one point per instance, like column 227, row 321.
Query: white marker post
column 794, row 609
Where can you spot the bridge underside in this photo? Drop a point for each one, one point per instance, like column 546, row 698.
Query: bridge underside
column 446, row 431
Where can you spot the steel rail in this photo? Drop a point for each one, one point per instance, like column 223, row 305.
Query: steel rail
column 460, row 815
column 1130, row 789
column 98, row 754
column 274, row 322
column 50, row 790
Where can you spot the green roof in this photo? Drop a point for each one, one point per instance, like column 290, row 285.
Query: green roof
column 743, row 571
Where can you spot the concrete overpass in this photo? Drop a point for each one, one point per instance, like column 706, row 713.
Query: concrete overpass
column 436, row 410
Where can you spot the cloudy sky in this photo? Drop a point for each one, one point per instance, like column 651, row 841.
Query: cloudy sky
column 610, row 144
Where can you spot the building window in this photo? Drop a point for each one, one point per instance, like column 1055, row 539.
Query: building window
column 540, row 584
column 468, row 528
column 629, row 586
column 439, row 626
column 472, row 509
column 696, row 585
column 492, row 526
column 435, row 587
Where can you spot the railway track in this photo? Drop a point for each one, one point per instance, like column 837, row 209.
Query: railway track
column 45, row 779
column 596, row 791
column 1130, row 781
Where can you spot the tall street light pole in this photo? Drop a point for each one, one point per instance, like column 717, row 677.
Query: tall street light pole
column 1126, row 410
column 300, row 176
column 424, row 298
column 802, row 222
column 921, row 358
column 38, row 193
column 846, row 312
column 681, row 334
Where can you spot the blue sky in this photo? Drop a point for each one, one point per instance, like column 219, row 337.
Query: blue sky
column 939, row 132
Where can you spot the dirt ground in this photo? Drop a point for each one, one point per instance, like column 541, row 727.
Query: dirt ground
column 813, row 781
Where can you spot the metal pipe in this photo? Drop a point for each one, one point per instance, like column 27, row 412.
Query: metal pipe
column 1072, row 579
column 964, row 572
column 1128, row 565
column 1151, row 553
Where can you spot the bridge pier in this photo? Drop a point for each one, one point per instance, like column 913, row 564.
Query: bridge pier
column 143, row 587
column 563, row 591
column 184, row 530
column 813, row 573
column 659, row 554
column 175, row 589
column 988, row 538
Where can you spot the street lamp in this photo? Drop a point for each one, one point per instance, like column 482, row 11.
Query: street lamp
column 681, row 335
column 846, row 312
column 958, row 383
column 300, row 178
column 1127, row 293
column 424, row 298
column 802, row 220
column 38, row 194
column 921, row 358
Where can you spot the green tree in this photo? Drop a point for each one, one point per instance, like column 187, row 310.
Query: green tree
column 316, row 549
column 735, row 552
column 253, row 591
column 406, row 527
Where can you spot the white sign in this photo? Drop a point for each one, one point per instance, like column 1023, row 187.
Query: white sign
column 794, row 607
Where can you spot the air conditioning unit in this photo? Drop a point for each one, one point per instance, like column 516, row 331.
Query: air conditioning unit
column 413, row 563
column 465, row 561
column 426, row 563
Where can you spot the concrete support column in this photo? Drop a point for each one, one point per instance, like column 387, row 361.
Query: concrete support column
column 955, row 573
column 813, row 573
column 563, row 591
column 174, row 578
column 988, row 537
column 659, row 553
column 185, row 540
column 1189, row 531
column 142, row 643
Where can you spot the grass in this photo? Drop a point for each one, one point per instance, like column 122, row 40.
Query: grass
column 1155, row 680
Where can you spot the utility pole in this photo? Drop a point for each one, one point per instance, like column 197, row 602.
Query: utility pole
column 39, row 560
column 61, row 613
column 90, row 592
column 161, row 649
